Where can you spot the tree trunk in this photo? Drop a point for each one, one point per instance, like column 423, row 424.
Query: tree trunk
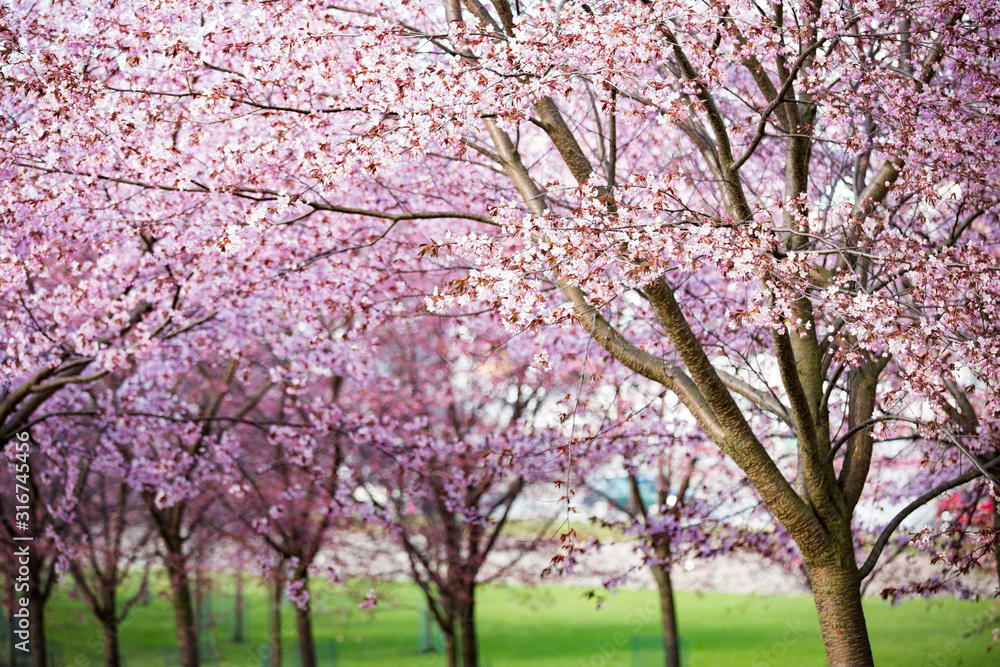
column 450, row 648
column 187, row 630
column 112, row 652
column 467, row 630
column 109, row 619
column 836, row 590
column 996, row 536
column 36, row 612
column 238, row 606
column 279, row 585
column 668, row 614
column 303, row 626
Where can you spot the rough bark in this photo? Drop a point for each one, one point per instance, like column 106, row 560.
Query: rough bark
column 737, row 438
column 836, row 588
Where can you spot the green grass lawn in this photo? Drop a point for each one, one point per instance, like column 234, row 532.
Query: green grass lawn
column 553, row 626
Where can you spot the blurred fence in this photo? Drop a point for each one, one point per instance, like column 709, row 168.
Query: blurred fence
column 326, row 655
column 11, row 657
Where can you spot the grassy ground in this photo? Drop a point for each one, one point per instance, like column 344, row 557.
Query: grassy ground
column 553, row 627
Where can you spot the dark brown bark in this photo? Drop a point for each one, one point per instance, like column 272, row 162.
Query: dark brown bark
column 668, row 616
column 708, row 398
column 187, row 629
column 451, row 648
column 467, row 630
column 36, row 612
column 40, row 575
column 836, row 588
column 662, row 550
column 109, row 620
column 112, row 652
column 563, row 139
column 303, row 627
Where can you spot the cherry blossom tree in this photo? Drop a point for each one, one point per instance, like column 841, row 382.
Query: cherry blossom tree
column 669, row 524
column 50, row 502
column 456, row 434
column 663, row 485
column 103, row 549
column 182, row 454
column 834, row 307
column 785, row 215
column 173, row 463
column 90, row 524
column 290, row 492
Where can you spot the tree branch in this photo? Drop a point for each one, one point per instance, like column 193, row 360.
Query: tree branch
column 778, row 99
column 738, row 439
column 919, row 502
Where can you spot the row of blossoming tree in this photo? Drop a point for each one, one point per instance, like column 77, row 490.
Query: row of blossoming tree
column 772, row 227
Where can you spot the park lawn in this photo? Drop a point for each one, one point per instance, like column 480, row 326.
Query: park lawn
column 551, row 626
